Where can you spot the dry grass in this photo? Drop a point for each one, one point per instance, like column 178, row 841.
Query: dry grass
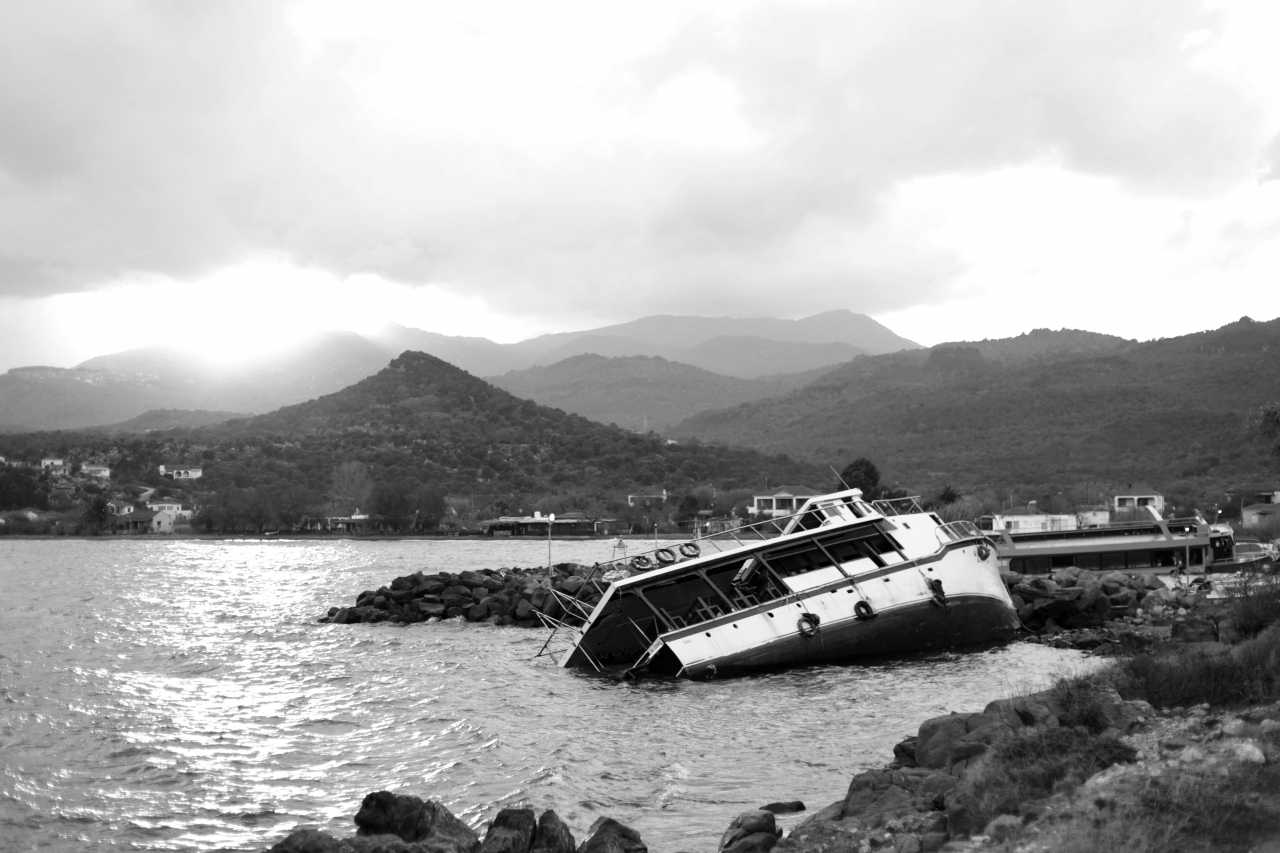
column 1179, row 814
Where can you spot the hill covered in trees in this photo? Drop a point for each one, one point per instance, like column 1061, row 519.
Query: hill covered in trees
column 418, row 424
column 1033, row 415
column 639, row 392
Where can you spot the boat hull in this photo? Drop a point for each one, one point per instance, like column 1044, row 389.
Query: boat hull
column 920, row 626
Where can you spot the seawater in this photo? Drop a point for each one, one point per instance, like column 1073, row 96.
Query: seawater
column 179, row 695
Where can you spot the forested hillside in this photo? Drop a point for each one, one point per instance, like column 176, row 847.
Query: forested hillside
column 1168, row 412
column 638, row 392
column 418, row 423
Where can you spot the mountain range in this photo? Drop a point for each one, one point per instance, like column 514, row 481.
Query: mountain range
column 113, row 389
column 1041, row 409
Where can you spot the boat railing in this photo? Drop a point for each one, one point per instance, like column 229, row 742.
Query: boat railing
column 958, row 531
column 890, row 507
column 663, row 555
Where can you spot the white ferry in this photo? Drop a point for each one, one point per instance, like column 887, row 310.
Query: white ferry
column 1154, row 546
column 841, row 579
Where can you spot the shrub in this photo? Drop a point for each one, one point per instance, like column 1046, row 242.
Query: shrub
column 1250, row 673
column 1255, row 605
column 1031, row 766
column 1080, row 701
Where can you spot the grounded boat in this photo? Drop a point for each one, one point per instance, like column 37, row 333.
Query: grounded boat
column 838, row 580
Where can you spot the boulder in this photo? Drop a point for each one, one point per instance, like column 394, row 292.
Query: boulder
column 553, row 835
column 754, row 830
column 608, row 836
column 512, row 831
column 943, row 741
column 905, row 752
column 1228, row 632
column 789, row 807
column 431, row 609
column 1195, row 630
column 309, row 841
column 874, row 799
column 413, row 819
column 1003, row 827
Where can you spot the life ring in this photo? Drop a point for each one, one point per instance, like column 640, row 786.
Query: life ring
column 665, row 556
column 863, row 609
column 983, row 551
column 690, row 550
column 641, row 562
column 808, row 625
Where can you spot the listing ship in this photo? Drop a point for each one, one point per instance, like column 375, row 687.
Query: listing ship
column 1155, row 546
column 841, row 579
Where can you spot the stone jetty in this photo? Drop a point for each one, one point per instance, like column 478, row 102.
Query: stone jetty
column 510, row 596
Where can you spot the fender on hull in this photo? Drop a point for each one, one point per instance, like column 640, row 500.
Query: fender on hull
column 917, row 627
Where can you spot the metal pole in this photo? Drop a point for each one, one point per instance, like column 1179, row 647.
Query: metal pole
column 550, row 520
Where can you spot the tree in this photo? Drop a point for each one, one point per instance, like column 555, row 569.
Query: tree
column 431, row 507
column 258, row 510
column 97, row 514
column 1265, row 422
column 394, row 505
column 861, row 473
column 350, row 488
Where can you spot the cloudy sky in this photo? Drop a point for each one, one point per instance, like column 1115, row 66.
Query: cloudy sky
column 231, row 176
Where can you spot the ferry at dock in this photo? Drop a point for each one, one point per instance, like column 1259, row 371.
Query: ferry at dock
column 1155, row 546
column 841, row 579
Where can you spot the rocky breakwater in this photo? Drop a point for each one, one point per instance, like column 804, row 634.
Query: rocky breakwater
column 399, row 823
column 511, row 596
column 1114, row 612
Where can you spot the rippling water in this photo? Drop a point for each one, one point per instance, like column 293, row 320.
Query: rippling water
column 178, row 695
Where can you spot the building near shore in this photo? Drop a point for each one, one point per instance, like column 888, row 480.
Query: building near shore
column 784, row 500
column 181, row 472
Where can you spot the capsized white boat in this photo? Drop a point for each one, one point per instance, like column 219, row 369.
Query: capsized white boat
column 841, row 579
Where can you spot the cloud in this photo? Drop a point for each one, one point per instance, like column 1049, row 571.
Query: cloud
column 173, row 139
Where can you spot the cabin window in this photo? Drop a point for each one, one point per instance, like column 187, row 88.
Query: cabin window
column 797, row 559
column 1197, row 555
column 1164, row 558
column 686, row 601
column 1088, row 561
column 1139, row 559
column 1062, row 561
column 1113, row 561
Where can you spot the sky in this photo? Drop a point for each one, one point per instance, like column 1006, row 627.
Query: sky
column 231, row 177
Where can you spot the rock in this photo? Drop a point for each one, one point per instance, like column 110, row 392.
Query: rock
column 1249, row 752
column 608, row 836
column 1235, row 727
column 309, row 841
column 1189, row 755
column 789, row 807
column 1268, row 727
column 874, row 800
column 413, row 819
column 572, row 584
column 478, row 613
column 749, row 823
column 905, row 752
column 1195, row 630
column 939, row 736
column 1228, row 632
column 553, row 835
column 512, row 831
column 908, row 844
column 1003, row 827
column 430, row 609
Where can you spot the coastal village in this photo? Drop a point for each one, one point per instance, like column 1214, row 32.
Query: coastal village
column 173, row 502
